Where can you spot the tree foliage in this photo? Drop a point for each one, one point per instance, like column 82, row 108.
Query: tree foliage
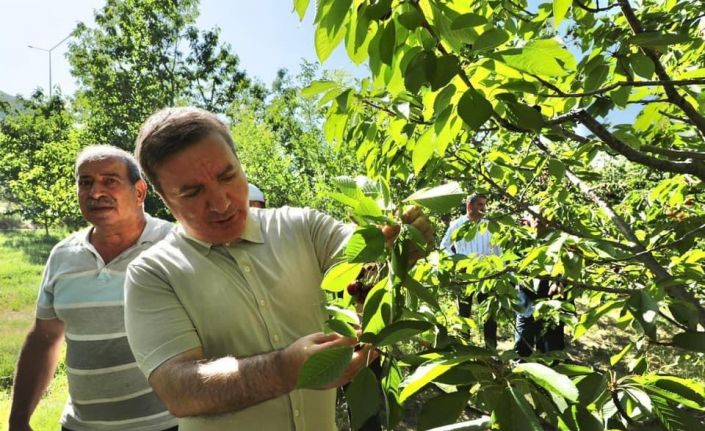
column 144, row 55
column 542, row 105
column 38, row 146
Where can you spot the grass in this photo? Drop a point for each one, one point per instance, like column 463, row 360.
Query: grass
column 23, row 254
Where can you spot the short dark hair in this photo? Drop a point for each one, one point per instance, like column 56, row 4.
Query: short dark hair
column 475, row 196
column 170, row 131
column 103, row 152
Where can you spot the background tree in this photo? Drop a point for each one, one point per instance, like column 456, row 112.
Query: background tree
column 524, row 101
column 144, row 55
column 38, row 145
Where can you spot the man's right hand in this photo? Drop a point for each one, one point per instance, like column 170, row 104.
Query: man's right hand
column 296, row 354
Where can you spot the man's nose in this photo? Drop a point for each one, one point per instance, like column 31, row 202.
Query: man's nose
column 218, row 201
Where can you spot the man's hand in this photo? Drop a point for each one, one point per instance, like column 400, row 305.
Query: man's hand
column 414, row 216
column 296, row 354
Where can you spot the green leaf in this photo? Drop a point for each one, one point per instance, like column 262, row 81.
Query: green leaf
column 468, row 20
column 615, row 359
column 642, row 65
column 423, row 149
column 588, row 319
column 513, row 412
column 556, row 168
column 425, row 374
column 422, row 292
column 410, row 19
column 596, row 77
column 645, row 311
column 338, row 277
column 365, row 245
column 377, row 310
column 687, row 392
column 440, row 199
column 673, row 418
column 693, row 341
column 341, row 327
column 401, row 330
column 416, row 74
column 300, row 7
column 654, row 39
column 330, row 28
column 317, row 87
column 591, row 387
column 490, row 39
column 363, row 397
column 324, row 368
column 560, row 8
column 474, row 109
column 548, row 379
column 379, row 9
column 442, row 410
column 544, row 57
column 447, row 67
column 387, row 43
column 523, row 116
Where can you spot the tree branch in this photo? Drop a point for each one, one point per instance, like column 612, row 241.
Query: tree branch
column 674, row 154
column 673, row 95
column 585, row 7
column 661, row 83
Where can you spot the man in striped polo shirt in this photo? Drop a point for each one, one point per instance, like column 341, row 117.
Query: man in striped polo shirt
column 81, row 300
column 479, row 245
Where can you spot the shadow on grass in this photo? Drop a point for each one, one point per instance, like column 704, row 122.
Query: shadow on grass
column 33, row 243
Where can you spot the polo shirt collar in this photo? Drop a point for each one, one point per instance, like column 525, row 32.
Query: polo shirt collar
column 251, row 233
column 150, row 233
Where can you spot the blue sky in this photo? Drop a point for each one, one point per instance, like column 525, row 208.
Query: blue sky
column 265, row 34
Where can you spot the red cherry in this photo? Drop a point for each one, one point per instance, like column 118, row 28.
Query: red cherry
column 354, row 288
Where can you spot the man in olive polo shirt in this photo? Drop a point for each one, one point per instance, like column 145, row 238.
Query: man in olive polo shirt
column 224, row 312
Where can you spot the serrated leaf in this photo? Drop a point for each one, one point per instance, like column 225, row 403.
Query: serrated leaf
column 654, row 39
column 544, row 57
column 317, row 87
column 363, row 397
column 490, row 39
column 424, row 375
column 693, row 341
column 672, row 418
column 338, row 277
column 324, row 368
column 548, row 379
column 439, row 199
column 474, row 109
column 642, row 65
column 560, row 8
column 423, row 149
column 401, row 330
column 422, row 292
column 513, row 412
column 523, row 116
column 365, row 245
column 342, row 328
column 442, row 410
column 468, row 20
column 300, row 7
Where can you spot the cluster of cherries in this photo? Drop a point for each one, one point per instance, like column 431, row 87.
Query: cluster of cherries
column 359, row 288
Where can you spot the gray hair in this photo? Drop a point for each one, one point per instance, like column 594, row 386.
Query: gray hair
column 474, row 197
column 106, row 152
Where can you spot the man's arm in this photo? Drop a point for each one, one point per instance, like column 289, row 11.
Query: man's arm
column 35, row 369
column 189, row 385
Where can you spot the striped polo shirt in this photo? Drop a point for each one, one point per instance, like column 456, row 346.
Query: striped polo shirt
column 107, row 391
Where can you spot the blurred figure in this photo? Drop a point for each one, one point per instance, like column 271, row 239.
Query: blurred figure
column 256, row 196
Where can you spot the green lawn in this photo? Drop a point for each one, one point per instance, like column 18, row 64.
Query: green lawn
column 23, row 255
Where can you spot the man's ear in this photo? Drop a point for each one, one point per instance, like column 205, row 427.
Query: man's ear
column 141, row 187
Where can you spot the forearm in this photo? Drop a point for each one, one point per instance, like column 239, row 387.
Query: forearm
column 198, row 387
column 35, row 369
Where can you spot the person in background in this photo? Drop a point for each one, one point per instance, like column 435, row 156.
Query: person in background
column 256, row 196
column 81, row 301
column 480, row 245
column 224, row 312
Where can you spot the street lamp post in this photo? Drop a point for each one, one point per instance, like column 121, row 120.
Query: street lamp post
column 49, row 52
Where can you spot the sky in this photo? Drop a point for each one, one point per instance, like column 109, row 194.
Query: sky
column 265, row 34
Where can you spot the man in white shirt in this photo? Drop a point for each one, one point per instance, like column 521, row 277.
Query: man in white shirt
column 479, row 245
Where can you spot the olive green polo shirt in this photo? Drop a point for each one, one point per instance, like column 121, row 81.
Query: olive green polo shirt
column 253, row 296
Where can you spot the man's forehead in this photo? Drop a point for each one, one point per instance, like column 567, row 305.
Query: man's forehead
column 103, row 166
